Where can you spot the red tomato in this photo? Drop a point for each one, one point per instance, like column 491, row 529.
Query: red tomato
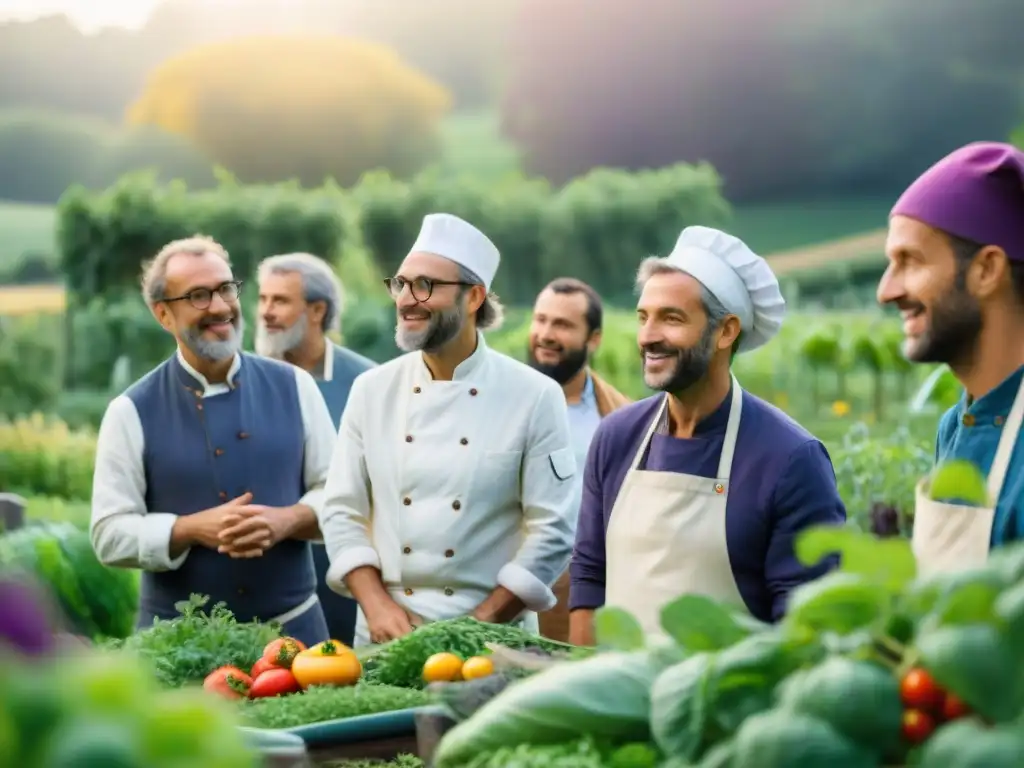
column 229, row 682
column 274, row 682
column 920, row 691
column 954, row 707
column 282, row 652
column 917, row 726
column 260, row 667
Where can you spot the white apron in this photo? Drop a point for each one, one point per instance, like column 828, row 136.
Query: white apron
column 666, row 536
column 949, row 538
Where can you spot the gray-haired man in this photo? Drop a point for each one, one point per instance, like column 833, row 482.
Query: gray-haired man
column 301, row 300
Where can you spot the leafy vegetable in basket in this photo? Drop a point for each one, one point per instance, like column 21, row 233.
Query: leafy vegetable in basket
column 401, row 661
column 583, row 753
column 320, row 704
column 608, row 694
column 188, row 648
column 98, row 602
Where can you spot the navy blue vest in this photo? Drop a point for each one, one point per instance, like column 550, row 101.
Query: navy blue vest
column 199, row 453
column 347, row 365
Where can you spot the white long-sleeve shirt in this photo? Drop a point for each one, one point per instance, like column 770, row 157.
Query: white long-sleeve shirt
column 124, row 532
column 452, row 488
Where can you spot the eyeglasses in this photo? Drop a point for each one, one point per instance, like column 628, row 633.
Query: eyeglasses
column 201, row 298
column 422, row 288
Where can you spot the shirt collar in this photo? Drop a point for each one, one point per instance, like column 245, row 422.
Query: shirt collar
column 994, row 406
column 467, row 367
column 587, row 397
column 236, row 365
column 715, row 421
column 328, row 360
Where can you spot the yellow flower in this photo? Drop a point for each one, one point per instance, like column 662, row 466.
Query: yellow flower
column 840, row 408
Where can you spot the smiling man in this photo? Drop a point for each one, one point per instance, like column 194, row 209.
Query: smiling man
column 300, row 302
column 956, row 273
column 565, row 332
column 210, row 469
column 703, row 488
column 451, row 488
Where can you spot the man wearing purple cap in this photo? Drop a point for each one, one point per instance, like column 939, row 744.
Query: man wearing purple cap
column 956, row 272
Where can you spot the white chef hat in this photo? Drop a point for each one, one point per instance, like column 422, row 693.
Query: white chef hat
column 737, row 277
column 456, row 240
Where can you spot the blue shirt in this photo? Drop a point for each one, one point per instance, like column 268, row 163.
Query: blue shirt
column 584, row 419
column 971, row 431
column 781, row 482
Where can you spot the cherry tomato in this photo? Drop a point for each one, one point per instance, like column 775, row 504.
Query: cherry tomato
column 954, row 707
column 260, row 667
column 274, row 682
column 282, row 652
column 229, row 682
column 917, row 726
column 920, row 691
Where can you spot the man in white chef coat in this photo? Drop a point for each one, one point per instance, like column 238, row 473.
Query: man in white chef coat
column 451, row 489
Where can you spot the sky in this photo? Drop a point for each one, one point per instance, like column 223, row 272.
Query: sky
column 89, row 15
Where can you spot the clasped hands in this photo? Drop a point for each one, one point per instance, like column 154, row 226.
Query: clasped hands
column 241, row 529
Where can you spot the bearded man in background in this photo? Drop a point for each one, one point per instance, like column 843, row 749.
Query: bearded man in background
column 451, row 488
column 565, row 333
column 210, row 469
column 300, row 302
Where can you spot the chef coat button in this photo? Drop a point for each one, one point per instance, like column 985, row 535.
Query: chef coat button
column 219, row 452
column 999, row 421
column 449, row 591
column 407, row 550
column 243, row 435
column 222, row 495
column 449, row 553
column 416, row 390
column 408, row 438
column 464, row 441
column 968, row 420
column 473, row 392
column 407, row 501
column 408, row 591
column 456, row 504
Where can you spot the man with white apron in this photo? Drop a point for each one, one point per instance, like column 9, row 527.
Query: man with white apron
column 210, row 469
column 451, row 488
column 702, row 489
column 956, row 272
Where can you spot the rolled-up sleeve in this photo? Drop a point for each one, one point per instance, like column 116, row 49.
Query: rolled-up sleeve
column 587, row 569
column 549, row 504
column 319, row 441
column 124, row 533
column 346, row 509
column 805, row 495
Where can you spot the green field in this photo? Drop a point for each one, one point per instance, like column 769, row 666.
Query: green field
column 25, row 229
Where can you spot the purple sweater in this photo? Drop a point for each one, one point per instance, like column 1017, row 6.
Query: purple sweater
column 782, row 481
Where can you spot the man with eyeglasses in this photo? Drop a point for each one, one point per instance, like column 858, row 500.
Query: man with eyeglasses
column 210, row 469
column 451, row 490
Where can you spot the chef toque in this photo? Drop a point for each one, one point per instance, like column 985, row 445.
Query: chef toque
column 737, row 277
column 975, row 193
column 456, row 240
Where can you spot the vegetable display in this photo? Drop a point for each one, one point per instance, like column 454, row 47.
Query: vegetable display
column 872, row 667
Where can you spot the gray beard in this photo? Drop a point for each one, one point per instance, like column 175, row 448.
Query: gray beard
column 442, row 328
column 277, row 344
column 215, row 351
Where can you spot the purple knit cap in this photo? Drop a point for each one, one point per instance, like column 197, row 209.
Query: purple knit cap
column 976, row 193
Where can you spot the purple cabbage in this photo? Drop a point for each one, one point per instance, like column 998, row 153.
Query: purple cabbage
column 25, row 617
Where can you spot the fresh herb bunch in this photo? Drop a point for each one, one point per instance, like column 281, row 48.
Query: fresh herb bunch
column 401, row 661
column 322, row 703
column 584, row 753
column 186, row 649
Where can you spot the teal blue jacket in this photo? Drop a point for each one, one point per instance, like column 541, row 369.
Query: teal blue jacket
column 971, row 431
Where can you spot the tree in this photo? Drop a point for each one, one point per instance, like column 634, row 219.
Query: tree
column 271, row 108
